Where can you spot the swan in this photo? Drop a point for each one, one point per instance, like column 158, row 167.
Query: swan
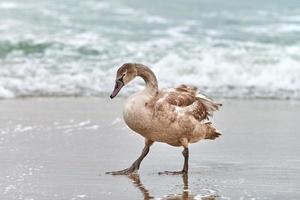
column 176, row 116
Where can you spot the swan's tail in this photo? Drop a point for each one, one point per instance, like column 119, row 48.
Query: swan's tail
column 212, row 133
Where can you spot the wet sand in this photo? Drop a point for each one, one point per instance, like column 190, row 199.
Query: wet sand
column 60, row 148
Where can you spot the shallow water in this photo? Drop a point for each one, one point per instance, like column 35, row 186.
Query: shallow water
column 229, row 48
column 61, row 148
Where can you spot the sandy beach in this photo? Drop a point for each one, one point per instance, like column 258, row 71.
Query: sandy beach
column 60, row 148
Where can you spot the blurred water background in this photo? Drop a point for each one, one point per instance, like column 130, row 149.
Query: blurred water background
column 228, row 48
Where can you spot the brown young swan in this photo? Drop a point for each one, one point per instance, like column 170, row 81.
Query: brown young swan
column 177, row 116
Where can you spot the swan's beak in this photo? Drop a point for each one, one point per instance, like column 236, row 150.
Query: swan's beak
column 118, row 86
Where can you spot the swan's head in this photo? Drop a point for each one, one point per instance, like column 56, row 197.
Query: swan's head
column 125, row 74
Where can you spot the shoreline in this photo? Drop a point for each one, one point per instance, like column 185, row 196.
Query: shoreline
column 120, row 96
column 55, row 148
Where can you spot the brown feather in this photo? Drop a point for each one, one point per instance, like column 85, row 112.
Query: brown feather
column 186, row 97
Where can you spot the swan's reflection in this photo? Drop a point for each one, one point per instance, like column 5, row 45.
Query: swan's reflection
column 185, row 191
column 137, row 183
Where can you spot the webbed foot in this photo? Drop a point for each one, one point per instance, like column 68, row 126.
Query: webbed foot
column 173, row 172
column 127, row 171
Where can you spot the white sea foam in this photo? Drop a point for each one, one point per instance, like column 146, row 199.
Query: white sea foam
column 8, row 5
column 233, row 79
column 287, row 28
column 97, row 6
column 211, row 71
column 5, row 93
column 9, row 188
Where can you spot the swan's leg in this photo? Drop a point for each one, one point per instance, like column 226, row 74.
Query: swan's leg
column 185, row 154
column 136, row 165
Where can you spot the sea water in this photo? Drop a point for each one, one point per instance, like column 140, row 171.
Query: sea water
column 227, row 48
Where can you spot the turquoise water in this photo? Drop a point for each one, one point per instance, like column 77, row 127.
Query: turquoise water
column 227, row 48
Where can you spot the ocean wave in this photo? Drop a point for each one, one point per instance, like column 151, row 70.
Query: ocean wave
column 26, row 47
column 219, row 77
column 214, row 74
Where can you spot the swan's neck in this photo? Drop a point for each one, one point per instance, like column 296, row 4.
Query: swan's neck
column 149, row 78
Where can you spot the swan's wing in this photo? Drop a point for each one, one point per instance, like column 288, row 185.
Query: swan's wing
column 185, row 99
